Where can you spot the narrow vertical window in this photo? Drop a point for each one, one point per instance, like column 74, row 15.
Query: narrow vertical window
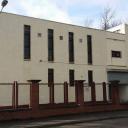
column 89, row 48
column 50, row 45
column 90, row 76
column 50, row 75
column 27, row 42
column 71, row 77
column 71, row 47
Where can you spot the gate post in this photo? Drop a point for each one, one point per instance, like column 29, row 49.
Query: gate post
column 16, row 86
column 65, row 92
column 115, row 92
column 51, row 92
column 79, row 92
column 34, row 94
column 15, row 95
column 104, row 92
column 93, row 92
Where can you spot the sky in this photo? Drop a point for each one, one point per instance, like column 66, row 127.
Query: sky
column 77, row 12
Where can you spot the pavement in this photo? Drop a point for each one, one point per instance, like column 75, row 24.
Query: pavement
column 64, row 120
column 110, row 123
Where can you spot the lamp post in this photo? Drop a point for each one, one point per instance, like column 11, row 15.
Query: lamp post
column 3, row 4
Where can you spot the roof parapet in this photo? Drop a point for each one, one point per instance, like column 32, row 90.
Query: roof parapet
column 118, row 29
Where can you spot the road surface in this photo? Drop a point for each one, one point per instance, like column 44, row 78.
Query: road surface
column 112, row 123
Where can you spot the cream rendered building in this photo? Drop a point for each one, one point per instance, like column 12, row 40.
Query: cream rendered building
column 109, row 55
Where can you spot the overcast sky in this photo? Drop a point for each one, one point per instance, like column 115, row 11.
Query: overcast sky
column 67, row 11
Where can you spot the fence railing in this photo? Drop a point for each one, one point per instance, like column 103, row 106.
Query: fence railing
column 33, row 94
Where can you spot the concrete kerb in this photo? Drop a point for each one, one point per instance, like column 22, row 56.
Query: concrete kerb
column 61, row 123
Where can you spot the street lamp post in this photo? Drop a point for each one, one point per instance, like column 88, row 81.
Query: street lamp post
column 3, row 4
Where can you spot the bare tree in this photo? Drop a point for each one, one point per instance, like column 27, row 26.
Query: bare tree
column 108, row 19
column 115, row 23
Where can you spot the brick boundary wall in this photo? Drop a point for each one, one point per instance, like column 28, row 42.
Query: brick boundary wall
column 36, row 110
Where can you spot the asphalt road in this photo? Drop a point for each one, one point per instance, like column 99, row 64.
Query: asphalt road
column 112, row 123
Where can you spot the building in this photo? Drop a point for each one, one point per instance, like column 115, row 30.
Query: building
column 33, row 48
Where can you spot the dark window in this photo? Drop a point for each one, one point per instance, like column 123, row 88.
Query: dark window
column 27, row 41
column 90, row 76
column 116, row 54
column 50, row 45
column 71, row 47
column 50, row 76
column 89, row 48
column 71, row 77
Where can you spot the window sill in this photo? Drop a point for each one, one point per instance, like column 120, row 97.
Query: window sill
column 51, row 61
column 90, row 64
column 27, row 59
column 116, row 57
column 71, row 63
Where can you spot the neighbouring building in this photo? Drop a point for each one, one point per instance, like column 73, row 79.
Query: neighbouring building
column 33, row 48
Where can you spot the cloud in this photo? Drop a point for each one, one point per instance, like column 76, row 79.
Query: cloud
column 46, row 9
column 95, row 2
column 67, row 11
